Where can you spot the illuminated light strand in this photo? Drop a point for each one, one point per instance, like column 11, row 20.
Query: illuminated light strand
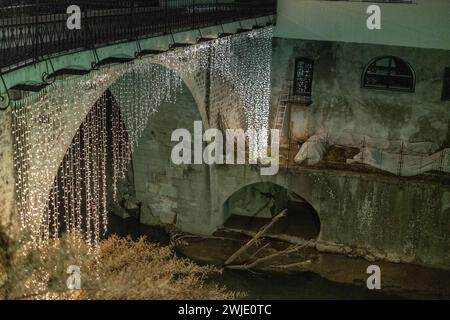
column 241, row 62
column 39, row 125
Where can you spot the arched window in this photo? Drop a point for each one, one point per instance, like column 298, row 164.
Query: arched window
column 389, row 73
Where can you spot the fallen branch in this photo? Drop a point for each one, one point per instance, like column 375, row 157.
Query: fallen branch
column 199, row 237
column 259, row 250
column 292, row 265
column 253, row 264
column 281, row 237
column 258, row 235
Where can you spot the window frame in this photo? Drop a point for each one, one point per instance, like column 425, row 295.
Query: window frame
column 305, row 60
column 388, row 76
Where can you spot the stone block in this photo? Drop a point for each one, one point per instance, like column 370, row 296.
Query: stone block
column 168, row 217
column 152, row 188
column 147, row 216
column 168, row 190
column 175, row 172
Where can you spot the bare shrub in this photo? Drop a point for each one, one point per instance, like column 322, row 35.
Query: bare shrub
column 4, row 261
column 119, row 269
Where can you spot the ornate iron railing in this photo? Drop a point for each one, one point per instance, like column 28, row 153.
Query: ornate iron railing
column 32, row 29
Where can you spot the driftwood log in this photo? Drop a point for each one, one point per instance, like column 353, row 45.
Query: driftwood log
column 290, row 249
column 254, row 240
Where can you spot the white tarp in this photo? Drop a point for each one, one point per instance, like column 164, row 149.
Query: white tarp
column 397, row 157
column 312, row 151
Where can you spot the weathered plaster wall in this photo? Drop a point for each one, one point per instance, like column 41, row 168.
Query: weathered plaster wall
column 340, row 104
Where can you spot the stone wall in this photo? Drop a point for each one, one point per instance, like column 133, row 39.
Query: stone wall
column 371, row 215
column 340, row 104
column 171, row 194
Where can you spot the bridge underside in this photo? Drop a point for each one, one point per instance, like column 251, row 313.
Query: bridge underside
column 67, row 64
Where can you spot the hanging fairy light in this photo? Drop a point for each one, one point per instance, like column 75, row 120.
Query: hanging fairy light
column 44, row 125
column 244, row 61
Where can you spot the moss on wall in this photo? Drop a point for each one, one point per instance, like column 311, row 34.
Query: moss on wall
column 340, row 104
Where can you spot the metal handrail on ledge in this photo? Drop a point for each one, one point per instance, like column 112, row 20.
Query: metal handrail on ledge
column 33, row 29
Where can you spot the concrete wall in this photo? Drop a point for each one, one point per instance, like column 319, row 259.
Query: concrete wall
column 424, row 23
column 340, row 104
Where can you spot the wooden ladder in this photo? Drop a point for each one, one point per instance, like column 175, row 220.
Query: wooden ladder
column 282, row 105
column 280, row 115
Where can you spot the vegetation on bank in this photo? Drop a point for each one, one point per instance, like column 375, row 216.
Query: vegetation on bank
column 4, row 259
column 118, row 269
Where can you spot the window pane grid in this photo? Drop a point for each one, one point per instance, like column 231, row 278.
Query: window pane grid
column 389, row 73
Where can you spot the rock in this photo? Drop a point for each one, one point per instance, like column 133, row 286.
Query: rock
column 168, row 217
column 147, row 216
column 130, row 204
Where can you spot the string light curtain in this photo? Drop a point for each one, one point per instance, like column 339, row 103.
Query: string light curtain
column 46, row 127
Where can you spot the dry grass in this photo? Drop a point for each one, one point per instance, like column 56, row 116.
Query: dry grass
column 120, row 269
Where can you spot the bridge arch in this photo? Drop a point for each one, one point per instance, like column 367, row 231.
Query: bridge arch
column 112, row 79
column 49, row 138
column 227, row 180
column 255, row 204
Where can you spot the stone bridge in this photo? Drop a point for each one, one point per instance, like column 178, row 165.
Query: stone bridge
column 113, row 63
column 384, row 217
column 370, row 215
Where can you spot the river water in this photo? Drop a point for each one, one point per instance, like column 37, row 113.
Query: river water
column 258, row 286
column 293, row 286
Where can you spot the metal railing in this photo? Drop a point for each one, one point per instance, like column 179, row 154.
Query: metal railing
column 288, row 94
column 32, row 29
